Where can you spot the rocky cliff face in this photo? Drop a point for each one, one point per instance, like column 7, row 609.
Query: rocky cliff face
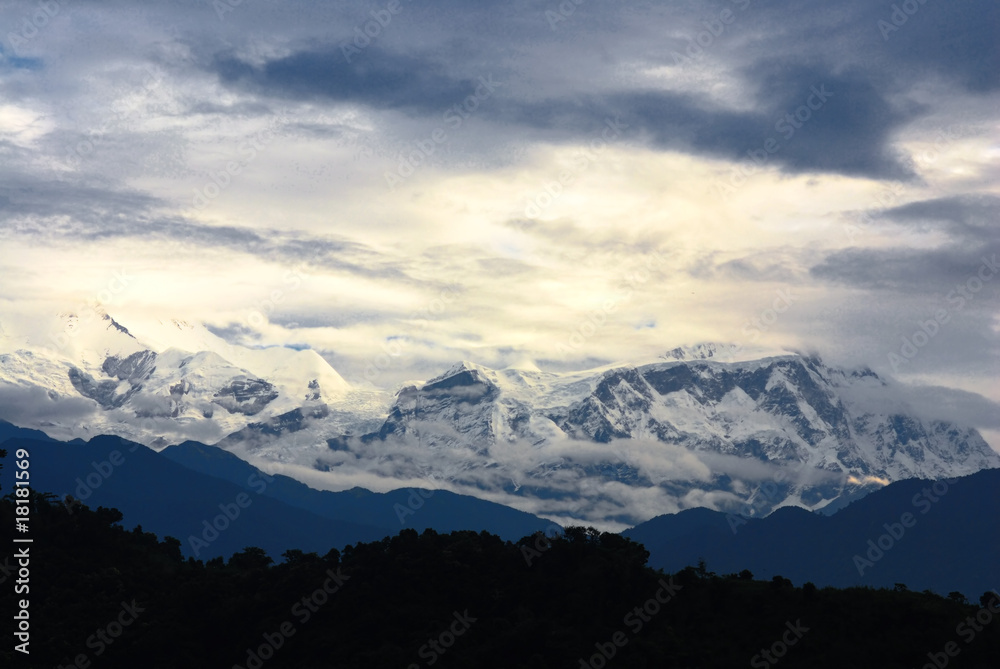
column 784, row 430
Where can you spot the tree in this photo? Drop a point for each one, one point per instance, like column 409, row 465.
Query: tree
column 295, row 557
column 172, row 546
column 250, row 558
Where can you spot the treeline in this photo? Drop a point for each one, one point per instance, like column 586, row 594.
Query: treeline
column 104, row 596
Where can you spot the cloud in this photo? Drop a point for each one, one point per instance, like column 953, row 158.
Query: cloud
column 971, row 217
column 36, row 406
column 377, row 78
column 971, row 241
column 57, row 212
column 960, row 407
column 931, row 272
column 450, row 264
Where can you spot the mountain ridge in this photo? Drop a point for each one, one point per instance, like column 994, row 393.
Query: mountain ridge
column 706, row 425
column 921, row 533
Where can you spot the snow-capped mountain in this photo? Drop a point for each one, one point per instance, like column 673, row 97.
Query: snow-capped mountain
column 709, row 425
column 161, row 381
column 749, row 436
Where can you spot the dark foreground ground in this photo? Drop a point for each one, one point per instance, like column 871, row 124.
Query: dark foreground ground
column 102, row 596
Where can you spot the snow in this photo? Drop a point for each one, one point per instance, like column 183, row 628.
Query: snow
column 535, row 428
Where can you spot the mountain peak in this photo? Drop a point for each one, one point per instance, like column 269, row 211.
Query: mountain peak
column 724, row 352
column 118, row 326
column 702, row 351
column 463, row 367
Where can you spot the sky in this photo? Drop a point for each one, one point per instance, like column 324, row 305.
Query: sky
column 404, row 184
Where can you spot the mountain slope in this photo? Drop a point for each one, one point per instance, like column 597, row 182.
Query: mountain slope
column 160, row 381
column 162, row 491
column 754, row 435
column 169, row 499
column 419, row 509
column 926, row 534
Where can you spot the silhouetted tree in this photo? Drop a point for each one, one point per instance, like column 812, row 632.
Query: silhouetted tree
column 251, row 558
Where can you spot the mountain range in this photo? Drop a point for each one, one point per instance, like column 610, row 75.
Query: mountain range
column 705, row 426
column 217, row 504
column 938, row 535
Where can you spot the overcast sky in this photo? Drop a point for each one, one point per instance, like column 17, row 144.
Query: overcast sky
column 515, row 183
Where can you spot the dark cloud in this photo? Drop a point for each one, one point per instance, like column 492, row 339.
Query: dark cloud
column 783, row 265
column 970, row 223
column 234, row 333
column 955, row 40
column 38, row 406
column 951, row 40
column 867, row 68
column 373, row 77
column 819, row 120
column 909, row 270
column 971, row 217
column 806, row 119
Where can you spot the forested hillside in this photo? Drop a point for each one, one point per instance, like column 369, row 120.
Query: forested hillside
column 116, row 597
